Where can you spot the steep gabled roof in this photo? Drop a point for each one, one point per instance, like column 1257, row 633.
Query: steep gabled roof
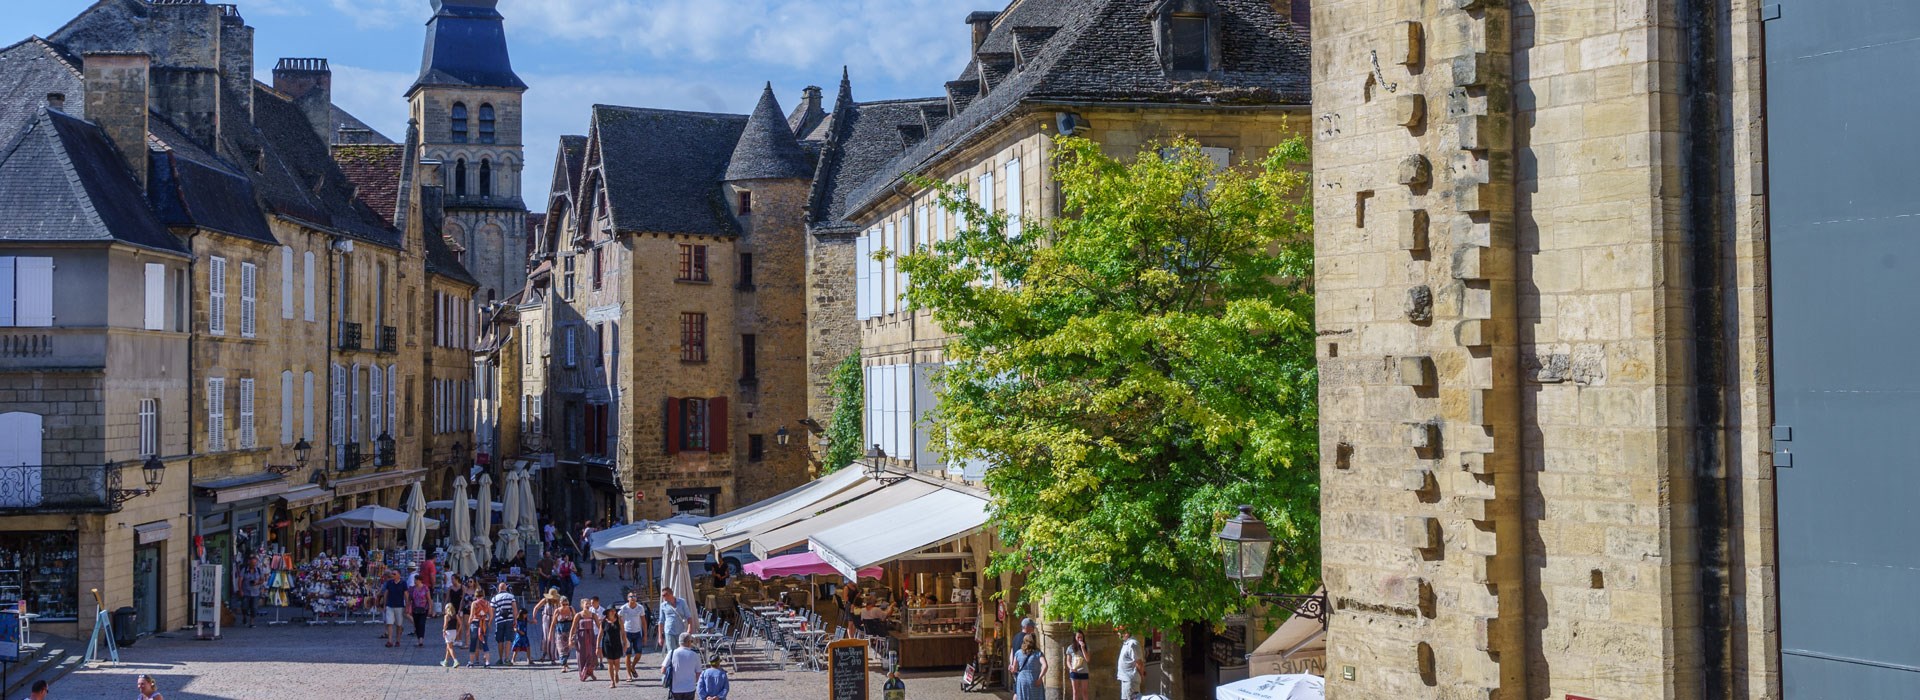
column 297, row 176
column 663, row 168
column 466, row 47
column 28, row 71
column 767, row 149
column 374, row 172
column 63, row 180
column 863, row 138
column 190, row 186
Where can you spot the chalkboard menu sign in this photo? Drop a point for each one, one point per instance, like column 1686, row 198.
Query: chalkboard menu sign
column 847, row 670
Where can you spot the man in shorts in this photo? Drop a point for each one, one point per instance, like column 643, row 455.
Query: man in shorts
column 633, row 622
column 393, row 592
column 506, row 609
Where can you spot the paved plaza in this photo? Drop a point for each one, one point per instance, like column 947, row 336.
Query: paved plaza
column 271, row 663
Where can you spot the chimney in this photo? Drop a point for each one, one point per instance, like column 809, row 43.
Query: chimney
column 117, row 95
column 236, row 61
column 309, row 81
column 982, row 22
column 808, row 114
column 184, row 81
column 57, row 101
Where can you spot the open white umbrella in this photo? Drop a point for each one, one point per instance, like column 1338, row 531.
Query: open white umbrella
column 376, row 517
column 509, row 543
column 650, row 542
column 529, row 516
column 460, row 542
column 416, row 518
column 483, row 525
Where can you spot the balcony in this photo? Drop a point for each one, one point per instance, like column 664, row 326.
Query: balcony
column 349, row 335
column 87, row 488
column 349, row 458
column 26, row 345
column 389, row 339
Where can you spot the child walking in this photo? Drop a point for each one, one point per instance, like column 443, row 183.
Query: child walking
column 450, row 633
column 521, row 645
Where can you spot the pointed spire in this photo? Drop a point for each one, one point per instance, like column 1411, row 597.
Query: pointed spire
column 767, row 149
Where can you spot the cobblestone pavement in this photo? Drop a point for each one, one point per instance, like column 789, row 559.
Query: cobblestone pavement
column 286, row 662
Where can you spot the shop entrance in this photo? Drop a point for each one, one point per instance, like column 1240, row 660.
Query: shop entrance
column 148, row 588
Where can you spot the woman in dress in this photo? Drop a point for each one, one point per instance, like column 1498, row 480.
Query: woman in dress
column 1032, row 666
column 613, row 644
column 1077, row 667
column 563, row 632
column 543, row 615
column 586, row 640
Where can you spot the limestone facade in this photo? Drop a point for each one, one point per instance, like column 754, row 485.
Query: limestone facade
column 1514, row 487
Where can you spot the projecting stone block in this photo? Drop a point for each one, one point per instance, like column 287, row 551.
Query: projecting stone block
column 1415, row 371
column 1417, row 480
column 1413, row 230
column 1408, row 41
column 1426, row 601
column 1473, row 333
column 1410, row 110
column 1423, row 436
column 1420, row 532
column 1469, row 262
column 1415, row 171
column 1419, row 306
column 1472, row 70
column 1479, row 510
column 1474, row 463
column 1487, row 634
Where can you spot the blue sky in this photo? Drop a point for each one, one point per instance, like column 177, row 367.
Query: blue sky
column 709, row 55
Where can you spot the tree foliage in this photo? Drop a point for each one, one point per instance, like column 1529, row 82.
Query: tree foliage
column 1133, row 370
column 843, row 431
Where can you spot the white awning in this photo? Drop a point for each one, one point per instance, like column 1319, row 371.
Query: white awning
column 779, row 539
column 306, row 495
column 801, row 511
column 793, row 500
column 900, row 530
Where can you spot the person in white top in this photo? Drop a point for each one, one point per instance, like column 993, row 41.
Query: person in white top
column 633, row 622
column 1131, row 666
column 685, row 673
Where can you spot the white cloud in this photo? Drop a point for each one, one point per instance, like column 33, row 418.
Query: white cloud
column 379, row 14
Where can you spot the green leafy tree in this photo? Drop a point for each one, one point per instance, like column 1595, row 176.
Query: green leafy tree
column 843, row 433
column 1134, row 370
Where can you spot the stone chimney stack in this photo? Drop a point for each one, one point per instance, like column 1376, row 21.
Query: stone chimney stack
column 57, row 101
column 309, row 81
column 982, row 22
column 117, row 96
column 236, row 61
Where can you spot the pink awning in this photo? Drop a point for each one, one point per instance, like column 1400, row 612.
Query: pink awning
column 802, row 564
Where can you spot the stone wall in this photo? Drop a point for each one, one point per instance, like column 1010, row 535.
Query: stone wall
column 832, row 332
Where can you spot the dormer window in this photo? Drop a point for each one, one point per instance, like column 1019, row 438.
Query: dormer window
column 458, row 121
column 486, row 123
column 746, row 202
column 1187, row 33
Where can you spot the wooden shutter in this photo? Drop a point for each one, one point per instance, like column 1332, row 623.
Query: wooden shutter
column 306, row 402
column 376, row 398
column 33, row 298
column 717, row 424
column 216, row 415
column 249, row 277
column 286, row 407
column 337, row 406
column 862, row 251
column 1016, row 191
column 247, row 440
column 217, row 296
column 673, row 437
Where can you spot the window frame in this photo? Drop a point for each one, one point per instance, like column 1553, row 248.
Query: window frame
column 693, row 263
column 693, row 336
column 457, row 118
column 486, row 123
column 149, row 427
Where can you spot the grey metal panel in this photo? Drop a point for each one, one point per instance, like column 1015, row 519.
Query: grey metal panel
column 1844, row 206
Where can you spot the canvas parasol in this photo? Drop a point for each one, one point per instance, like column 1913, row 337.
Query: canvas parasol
column 416, row 518
column 483, row 525
column 529, row 516
column 375, row 517
column 509, row 541
column 460, row 542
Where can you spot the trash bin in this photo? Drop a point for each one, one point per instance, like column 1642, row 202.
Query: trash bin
column 123, row 631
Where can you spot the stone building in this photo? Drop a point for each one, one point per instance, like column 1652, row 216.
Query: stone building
column 1229, row 74
column 467, row 101
column 1629, row 451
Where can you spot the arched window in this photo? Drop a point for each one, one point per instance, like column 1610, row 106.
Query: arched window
column 486, row 177
column 459, row 119
column 486, row 123
column 460, row 178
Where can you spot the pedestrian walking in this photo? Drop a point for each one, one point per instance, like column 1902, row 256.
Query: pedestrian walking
column 250, row 584
column 633, row 624
column 1077, row 666
column 586, row 642
column 506, row 609
column 521, row 644
column 1027, row 629
column 713, row 682
column 680, row 669
column 39, row 691
column 563, row 631
column 674, row 618
column 566, row 575
column 479, row 617
column 547, row 533
column 1029, row 666
column 543, row 614
column 420, row 605
column 1131, row 666
column 450, row 633
column 393, row 592
column 613, row 645
column 149, row 690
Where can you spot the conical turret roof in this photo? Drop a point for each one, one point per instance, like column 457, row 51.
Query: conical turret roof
column 767, row 149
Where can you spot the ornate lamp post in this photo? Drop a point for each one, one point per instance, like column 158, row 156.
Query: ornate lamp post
column 877, row 472
column 1245, row 547
column 780, row 437
column 301, row 450
column 152, row 472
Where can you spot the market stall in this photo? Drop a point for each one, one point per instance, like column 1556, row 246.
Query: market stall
column 934, row 612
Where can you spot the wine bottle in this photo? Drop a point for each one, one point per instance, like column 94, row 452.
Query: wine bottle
column 894, row 689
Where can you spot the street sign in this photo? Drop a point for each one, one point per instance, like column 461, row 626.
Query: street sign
column 847, row 670
column 207, row 599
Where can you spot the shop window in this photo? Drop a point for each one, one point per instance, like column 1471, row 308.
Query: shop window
column 44, row 566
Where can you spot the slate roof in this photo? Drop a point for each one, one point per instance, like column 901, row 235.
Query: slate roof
column 1103, row 51
column 767, row 149
column 63, row 180
column 467, row 47
column 663, row 168
column 298, row 177
column 442, row 261
column 28, row 71
column 374, row 171
column 348, row 129
column 189, row 186
column 862, row 138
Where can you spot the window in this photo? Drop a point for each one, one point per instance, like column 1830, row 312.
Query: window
column 566, row 278
column 599, row 345
column 746, row 202
column 756, row 447
column 156, row 316
column 306, row 403
column 306, row 277
column 863, row 298
column 460, row 178
column 597, row 269
column 249, row 298
column 376, row 401
column 149, row 427
column 571, row 359
column 216, row 414
column 1016, row 207
column 286, row 283
column 1188, row 43
column 889, row 271
column 217, row 296
column 749, row 364
column 379, row 302
column 693, row 263
column 337, row 407
column 696, row 425
column 693, row 337
column 354, row 403
column 746, row 271
column 526, row 345
column 286, row 407
column 246, row 414
column 459, row 122
column 393, row 398
column 486, row 125
column 596, row 429
column 486, row 177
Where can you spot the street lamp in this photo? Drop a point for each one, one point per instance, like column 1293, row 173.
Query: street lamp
column 780, row 437
column 301, row 450
column 383, row 449
column 152, row 472
column 875, row 471
column 1245, row 546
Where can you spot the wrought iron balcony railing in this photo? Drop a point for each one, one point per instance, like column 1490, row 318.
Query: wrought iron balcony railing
column 87, row 488
column 349, row 335
column 389, row 339
column 349, row 458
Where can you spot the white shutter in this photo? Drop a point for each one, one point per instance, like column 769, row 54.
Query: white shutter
column 1015, row 196
column 306, row 278
column 376, row 397
column 156, row 297
column 903, row 412
column 337, row 406
column 7, row 295
column 870, row 383
column 246, row 414
column 889, row 283
column 393, row 399
column 33, row 295
column 306, row 400
column 571, row 361
column 353, row 403
column 286, row 407
column 249, row 276
column 149, row 427
column 216, row 415
column 217, row 296
column 439, row 319
column 861, row 247
column 286, row 283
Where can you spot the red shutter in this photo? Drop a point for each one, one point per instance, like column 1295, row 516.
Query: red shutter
column 717, row 424
column 673, row 426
